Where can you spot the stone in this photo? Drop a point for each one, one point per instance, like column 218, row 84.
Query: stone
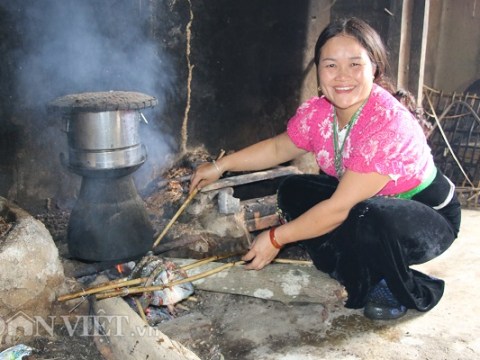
column 32, row 273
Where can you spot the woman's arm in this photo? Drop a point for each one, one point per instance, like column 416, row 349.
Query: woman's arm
column 320, row 219
column 262, row 155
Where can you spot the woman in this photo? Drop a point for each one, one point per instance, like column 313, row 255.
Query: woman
column 380, row 206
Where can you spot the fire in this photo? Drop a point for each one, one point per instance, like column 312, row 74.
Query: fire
column 125, row 268
column 119, row 268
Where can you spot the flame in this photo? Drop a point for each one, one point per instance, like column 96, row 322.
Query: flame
column 119, row 268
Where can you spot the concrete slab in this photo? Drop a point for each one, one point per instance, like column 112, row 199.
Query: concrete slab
column 450, row 331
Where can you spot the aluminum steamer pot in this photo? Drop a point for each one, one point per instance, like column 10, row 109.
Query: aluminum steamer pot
column 105, row 140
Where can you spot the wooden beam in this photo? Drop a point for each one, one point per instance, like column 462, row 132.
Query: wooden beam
column 260, row 213
column 262, row 222
column 131, row 339
column 252, row 177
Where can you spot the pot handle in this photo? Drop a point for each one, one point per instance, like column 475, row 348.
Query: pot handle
column 143, row 117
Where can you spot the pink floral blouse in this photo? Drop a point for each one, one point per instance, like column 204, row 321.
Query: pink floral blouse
column 386, row 139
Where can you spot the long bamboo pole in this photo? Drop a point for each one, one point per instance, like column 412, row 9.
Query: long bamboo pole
column 175, row 217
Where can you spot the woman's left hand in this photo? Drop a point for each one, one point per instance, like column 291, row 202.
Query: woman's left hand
column 261, row 252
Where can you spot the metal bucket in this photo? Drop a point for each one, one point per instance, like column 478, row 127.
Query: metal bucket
column 105, row 140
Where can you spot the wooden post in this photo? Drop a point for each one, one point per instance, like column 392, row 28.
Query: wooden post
column 408, row 43
column 420, row 17
column 396, row 48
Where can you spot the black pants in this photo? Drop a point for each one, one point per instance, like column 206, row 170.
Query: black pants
column 380, row 239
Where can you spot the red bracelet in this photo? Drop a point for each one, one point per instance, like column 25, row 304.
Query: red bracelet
column 274, row 241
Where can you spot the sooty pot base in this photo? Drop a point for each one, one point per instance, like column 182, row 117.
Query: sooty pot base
column 109, row 221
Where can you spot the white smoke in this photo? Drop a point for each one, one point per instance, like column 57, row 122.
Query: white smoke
column 75, row 46
column 71, row 46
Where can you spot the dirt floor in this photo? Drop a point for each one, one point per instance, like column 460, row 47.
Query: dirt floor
column 233, row 327
column 64, row 346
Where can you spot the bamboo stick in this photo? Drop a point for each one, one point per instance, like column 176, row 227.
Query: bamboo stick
column 206, row 261
column 140, row 310
column 175, row 217
column 293, row 261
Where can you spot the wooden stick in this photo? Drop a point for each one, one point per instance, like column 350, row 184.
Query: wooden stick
column 140, row 310
column 175, row 217
column 206, row 261
column 293, row 261
column 142, row 289
column 179, row 211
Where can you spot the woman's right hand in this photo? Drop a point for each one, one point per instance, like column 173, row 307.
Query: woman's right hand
column 205, row 174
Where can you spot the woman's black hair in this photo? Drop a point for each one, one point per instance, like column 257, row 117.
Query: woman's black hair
column 368, row 38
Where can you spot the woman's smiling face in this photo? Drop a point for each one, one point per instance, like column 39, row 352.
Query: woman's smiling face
column 345, row 74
